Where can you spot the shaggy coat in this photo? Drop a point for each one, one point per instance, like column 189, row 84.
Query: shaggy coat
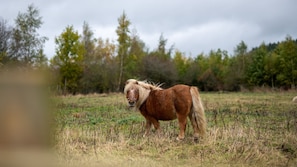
column 155, row 103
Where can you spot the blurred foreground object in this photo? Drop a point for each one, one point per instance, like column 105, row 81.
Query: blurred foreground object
column 24, row 115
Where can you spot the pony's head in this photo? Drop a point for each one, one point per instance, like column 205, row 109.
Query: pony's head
column 137, row 91
column 132, row 92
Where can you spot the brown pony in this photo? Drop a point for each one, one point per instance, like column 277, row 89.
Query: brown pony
column 155, row 103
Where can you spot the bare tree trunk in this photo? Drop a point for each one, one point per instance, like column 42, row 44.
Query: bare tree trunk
column 293, row 79
column 121, row 72
column 65, row 86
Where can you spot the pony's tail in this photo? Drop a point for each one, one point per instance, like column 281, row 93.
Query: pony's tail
column 197, row 111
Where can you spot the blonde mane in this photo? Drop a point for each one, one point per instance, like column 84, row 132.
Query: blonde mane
column 144, row 88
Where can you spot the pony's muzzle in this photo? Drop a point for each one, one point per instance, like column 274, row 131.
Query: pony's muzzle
column 131, row 103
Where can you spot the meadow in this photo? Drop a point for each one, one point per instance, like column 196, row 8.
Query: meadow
column 244, row 129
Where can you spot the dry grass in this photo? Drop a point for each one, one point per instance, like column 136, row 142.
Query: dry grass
column 244, row 129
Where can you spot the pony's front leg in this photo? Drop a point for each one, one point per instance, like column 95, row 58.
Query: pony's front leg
column 157, row 127
column 147, row 127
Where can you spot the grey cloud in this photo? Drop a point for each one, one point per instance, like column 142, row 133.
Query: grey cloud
column 194, row 26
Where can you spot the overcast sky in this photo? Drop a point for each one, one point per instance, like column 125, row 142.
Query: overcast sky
column 192, row 26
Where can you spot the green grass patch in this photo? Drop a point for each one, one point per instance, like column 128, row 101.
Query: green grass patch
column 244, row 129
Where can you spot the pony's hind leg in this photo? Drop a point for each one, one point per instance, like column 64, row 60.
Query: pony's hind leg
column 195, row 126
column 182, row 120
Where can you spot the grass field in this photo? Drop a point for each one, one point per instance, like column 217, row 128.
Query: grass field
column 244, row 129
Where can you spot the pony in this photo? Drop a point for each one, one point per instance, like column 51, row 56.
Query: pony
column 177, row 102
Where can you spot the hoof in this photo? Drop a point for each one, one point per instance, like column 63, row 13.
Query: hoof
column 196, row 139
column 145, row 135
column 179, row 139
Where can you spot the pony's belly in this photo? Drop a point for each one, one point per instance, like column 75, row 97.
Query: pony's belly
column 168, row 115
column 168, row 119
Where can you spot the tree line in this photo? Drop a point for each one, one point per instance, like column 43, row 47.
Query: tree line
column 86, row 64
